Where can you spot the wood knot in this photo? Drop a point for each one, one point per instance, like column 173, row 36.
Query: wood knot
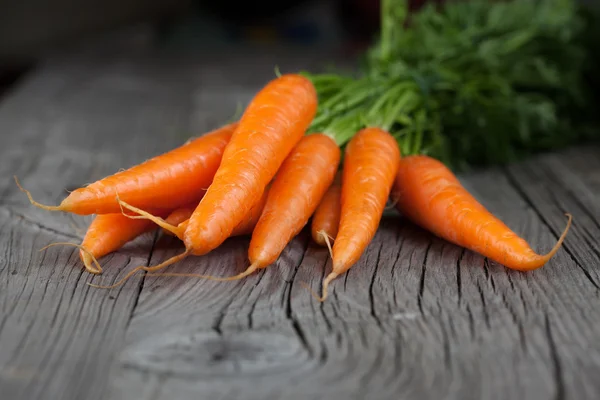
column 196, row 355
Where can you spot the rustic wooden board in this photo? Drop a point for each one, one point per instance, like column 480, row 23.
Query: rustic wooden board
column 65, row 126
column 415, row 318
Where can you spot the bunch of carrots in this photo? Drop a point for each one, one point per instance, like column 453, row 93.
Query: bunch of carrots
column 265, row 177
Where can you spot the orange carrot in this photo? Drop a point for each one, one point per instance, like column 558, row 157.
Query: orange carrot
column 166, row 181
column 179, row 216
column 272, row 124
column 326, row 219
column 430, row 195
column 245, row 227
column 370, row 166
column 108, row 233
column 295, row 193
column 297, row 190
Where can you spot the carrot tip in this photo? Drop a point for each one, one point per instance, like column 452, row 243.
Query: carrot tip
column 35, row 203
column 327, row 240
column 87, row 257
column 312, row 292
column 326, row 281
column 561, row 239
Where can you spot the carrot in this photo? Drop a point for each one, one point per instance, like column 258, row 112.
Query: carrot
column 245, row 227
column 106, row 234
column 179, row 216
column 430, row 195
column 326, row 219
column 272, row 124
column 166, row 181
column 370, row 165
column 296, row 192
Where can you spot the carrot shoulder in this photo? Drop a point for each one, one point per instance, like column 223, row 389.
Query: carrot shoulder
column 430, row 195
column 167, row 181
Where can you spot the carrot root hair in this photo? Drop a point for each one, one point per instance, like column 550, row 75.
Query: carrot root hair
column 392, row 204
column 252, row 268
column 332, row 275
column 164, row 264
column 561, row 239
column 327, row 240
column 88, row 258
column 35, row 203
column 119, row 283
column 146, row 215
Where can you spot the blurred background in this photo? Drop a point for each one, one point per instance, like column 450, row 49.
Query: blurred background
column 33, row 29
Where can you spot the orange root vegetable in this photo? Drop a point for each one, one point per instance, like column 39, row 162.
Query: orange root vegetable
column 177, row 217
column 326, row 219
column 370, row 166
column 297, row 190
column 295, row 193
column 430, row 195
column 108, row 233
column 272, row 124
column 167, row 181
column 245, row 227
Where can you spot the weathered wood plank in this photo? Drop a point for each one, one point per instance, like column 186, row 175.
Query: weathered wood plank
column 415, row 318
column 66, row 125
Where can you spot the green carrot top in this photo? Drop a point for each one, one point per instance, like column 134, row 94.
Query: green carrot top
column 475, row 82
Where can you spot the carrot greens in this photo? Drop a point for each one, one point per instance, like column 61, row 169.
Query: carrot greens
column 473, row 82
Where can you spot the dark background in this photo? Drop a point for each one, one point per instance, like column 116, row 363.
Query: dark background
column 33, row 29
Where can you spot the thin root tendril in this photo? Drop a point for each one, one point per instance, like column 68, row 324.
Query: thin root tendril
column 88, row 257
column 35, row 203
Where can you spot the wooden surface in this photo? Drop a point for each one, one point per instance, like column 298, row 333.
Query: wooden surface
column 416, row 318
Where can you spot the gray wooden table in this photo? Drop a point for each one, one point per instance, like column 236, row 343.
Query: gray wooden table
column 416, row 318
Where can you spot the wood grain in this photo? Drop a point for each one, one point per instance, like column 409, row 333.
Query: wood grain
column 62, row 128
column 417, row 317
